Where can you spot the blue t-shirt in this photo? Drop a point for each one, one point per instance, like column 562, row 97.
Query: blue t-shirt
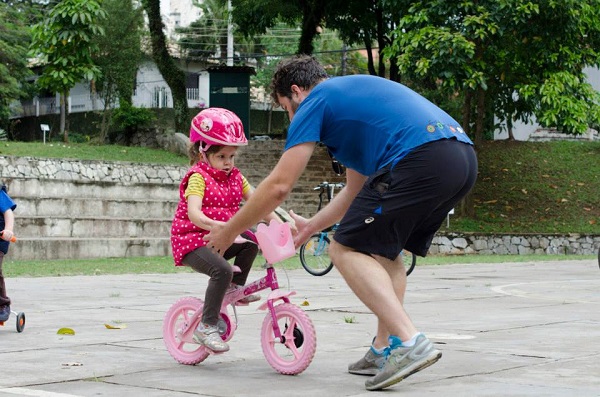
column 6, row 204
column 368, row 122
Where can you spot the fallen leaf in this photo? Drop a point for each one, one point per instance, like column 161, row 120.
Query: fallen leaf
column 490, row 202
column 592, row 221
column 65, row 331
column 119, row 326
column 524, row 191
column 305, row 303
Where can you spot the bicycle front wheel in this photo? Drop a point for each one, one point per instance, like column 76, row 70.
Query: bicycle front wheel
column 314, row 255
column 409, row 260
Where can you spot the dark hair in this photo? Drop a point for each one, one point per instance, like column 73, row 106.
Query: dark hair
column 301, row 70
column 194, row 151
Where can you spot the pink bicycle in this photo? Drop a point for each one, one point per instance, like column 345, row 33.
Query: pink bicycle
column 288, row 337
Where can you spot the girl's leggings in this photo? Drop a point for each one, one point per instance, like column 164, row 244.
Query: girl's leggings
column 204, row 261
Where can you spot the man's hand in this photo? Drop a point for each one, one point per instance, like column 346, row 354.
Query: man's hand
column 302, row 232
column 218, row 240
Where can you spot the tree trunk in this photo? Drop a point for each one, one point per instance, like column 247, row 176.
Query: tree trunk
column 312, row 14
column 466, row 111
column 479, row 123
column 63, row 116
column 174, row 77
column 370, row 63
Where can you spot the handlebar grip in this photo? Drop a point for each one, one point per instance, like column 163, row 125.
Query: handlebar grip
column 12, row 239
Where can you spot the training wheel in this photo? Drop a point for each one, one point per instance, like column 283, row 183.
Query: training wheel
column 20, row 322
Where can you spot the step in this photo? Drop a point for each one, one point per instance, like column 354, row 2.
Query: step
column 96, row 227
column 94, row 207
column 60, row 188
column 88, row 248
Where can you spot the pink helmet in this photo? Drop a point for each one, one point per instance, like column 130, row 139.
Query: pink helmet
column 217, row 126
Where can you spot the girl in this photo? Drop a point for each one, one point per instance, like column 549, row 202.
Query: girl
column 210, row 194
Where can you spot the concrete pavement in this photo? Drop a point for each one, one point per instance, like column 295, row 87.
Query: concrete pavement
column 513, row 329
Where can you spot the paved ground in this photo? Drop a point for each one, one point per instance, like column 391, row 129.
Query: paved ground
column 528, row 329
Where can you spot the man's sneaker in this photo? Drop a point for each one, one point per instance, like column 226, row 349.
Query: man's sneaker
column 4, row 313
column 404, row 361
column 209, row 336
column 370, row 364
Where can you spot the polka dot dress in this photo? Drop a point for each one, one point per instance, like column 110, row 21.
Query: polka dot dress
column 222, row 198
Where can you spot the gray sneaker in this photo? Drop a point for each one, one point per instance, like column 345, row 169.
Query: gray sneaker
column 403, row 362
column 370, row 364
column 209, row 336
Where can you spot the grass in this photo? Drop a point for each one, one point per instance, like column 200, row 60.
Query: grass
column 164, row 264
column 86, row 151
column 535, row 187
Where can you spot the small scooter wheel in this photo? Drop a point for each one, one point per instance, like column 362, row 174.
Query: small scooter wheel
column 20, row 322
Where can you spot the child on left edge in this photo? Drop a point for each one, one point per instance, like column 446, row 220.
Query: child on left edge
column 7, row 222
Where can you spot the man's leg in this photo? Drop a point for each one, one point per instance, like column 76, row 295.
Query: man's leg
column 375, row 287
column 397, row 273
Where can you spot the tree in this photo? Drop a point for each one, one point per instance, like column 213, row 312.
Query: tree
column 63, row 44
column 118, row 57
column 14, row 40
column 510, row 59
column 254, row 17
column 174, row 76
column 201, row 39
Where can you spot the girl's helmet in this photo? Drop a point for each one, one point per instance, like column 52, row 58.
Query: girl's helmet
column 217, row 126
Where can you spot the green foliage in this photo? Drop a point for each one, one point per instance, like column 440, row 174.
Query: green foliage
column 118, row 57
column 63, row 44
column 131, row 117
column 524, row 58
column 14, row 40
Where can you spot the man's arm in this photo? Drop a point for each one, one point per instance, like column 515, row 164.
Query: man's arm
column 271, row 192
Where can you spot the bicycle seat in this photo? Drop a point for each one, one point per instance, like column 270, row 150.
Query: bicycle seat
column 275, row 241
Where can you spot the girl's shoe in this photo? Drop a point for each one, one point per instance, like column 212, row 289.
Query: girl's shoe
column 208, row 336
column 4, row 313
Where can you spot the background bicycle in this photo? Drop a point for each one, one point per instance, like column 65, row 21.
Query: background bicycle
column 314, row 254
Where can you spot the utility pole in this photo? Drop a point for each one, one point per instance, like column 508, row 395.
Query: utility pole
column 229, row 35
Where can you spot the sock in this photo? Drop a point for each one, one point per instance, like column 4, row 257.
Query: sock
column 411, row 341
column 377, row 351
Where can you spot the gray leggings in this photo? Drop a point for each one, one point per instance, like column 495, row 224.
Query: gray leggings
column 221, row 274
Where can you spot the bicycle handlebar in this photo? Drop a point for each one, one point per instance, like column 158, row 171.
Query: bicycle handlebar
column 12, row 239
column 324, row 185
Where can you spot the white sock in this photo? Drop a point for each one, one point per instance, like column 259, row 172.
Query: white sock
column 411, row 341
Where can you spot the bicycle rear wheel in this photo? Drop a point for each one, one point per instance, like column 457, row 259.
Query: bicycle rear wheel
column 314, row 255
column 409, row 260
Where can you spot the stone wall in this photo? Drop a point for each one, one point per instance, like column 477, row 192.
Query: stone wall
column 256, row 161
column 502, row 244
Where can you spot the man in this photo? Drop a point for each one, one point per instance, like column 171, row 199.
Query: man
column 408, row 163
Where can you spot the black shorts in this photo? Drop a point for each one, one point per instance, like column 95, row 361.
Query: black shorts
column 403, row 206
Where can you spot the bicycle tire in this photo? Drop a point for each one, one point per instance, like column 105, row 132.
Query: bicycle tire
column 293, row 352
column 184, row 351
column 316, row 263
column 409, row 260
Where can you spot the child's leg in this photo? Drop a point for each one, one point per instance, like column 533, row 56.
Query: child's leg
column 244, row 254
column 4, row 299
column 220, row 272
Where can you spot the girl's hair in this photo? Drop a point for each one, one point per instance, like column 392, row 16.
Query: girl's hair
column 301, row 70
column 194, row 151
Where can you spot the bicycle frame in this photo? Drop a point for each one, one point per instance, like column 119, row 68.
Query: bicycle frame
column 231, row 297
